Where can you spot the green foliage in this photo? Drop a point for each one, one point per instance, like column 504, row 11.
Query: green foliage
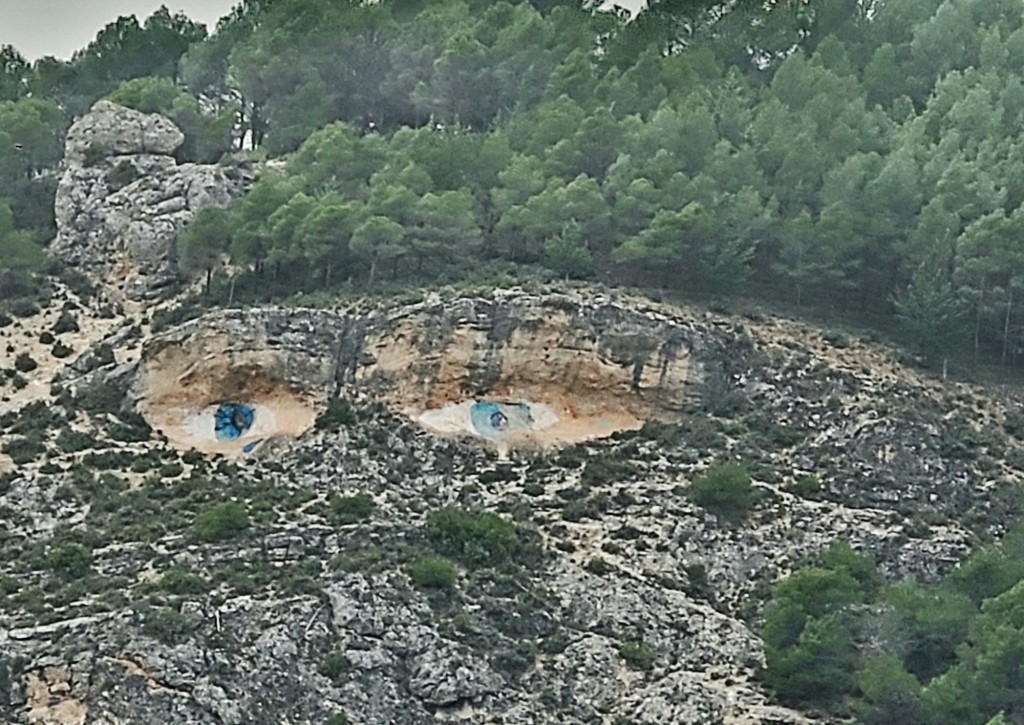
column 339, row 413
column 805, row 486
column 24, row 450
column 890, row 693
column 221, row 521
column 351, row 509
column 932, row 313
column 335, row 666
column 432, row 572
column 475, row 538
column 181, row 581
column 165, row 624
column 725, row 489
column 70, row 560
column 809, row 626
column 24, row 363
column 637, row 655
column 202, row 243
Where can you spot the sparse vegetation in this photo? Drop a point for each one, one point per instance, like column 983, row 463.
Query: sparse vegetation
column 476, row 538
column 637, row 655
column 339, row 413
column 725, row 489
column 220, row 522
column 432, row 572
column 335, row 667
column 351, row 509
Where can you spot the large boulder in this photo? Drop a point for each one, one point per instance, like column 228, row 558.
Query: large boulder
column 113, row 130
column 124, row 199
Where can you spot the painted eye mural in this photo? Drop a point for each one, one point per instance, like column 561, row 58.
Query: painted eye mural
column 232, row 420
column 495, row 420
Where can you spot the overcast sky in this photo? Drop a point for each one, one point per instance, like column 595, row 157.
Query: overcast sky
column 60, row 27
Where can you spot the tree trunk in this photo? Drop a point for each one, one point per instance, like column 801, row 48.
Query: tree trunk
column 231, row 290
column 209, row 280
column 373, row 272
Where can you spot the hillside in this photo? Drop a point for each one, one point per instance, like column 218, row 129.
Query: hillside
column 408, row 362
column 374, row 568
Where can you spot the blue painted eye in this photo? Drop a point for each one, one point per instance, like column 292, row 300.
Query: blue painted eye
column 500, row 419
column 232, row 420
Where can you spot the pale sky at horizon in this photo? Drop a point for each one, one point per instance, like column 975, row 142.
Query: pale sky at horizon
column 60, row 27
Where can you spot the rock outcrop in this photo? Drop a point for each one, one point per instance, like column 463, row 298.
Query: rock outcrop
column 625, row 600
column 124, row 198
column 595, row 366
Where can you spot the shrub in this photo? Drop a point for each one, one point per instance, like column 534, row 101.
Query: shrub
column 432, row 572
column 334, row 667
column 220, row 522
column 166, row 624
column 637, row 655
column 725, row 489
column 23, row 307
column 805, row 486
column 24, row 363
column 70, row 560
column 94, row 154
column 475, row 538
column 181, row 581
column 339, row 412
column 351, row 509
column 24, row 450
column 73, row 441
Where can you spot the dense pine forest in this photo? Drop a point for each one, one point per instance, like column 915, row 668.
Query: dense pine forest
column 857, row 156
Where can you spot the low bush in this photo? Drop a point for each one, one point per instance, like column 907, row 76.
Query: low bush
column 61, row 351
column 351, row 509
column 220, row 522
column 476, row 538
column 67, row 322
column 724, row 489
column 339, row 412
column 24, row 450
column 70, row 560
column 335, row 666
column 805, row 486
column 432, row 572
column 181, row 581
column 637, row 655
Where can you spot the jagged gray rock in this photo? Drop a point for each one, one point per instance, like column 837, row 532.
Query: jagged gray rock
column 110, row 129
column 123, row 198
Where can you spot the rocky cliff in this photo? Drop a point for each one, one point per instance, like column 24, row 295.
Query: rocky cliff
column 595, row 366
column 124, row 198
column 145, row 583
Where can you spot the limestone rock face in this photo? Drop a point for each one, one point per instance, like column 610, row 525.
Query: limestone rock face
column 595, row 366
column 113, row 130
column 124, row 198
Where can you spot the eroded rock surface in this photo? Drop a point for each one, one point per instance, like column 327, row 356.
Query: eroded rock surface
column 624, row 601
column 596, row 366
column 124, row 198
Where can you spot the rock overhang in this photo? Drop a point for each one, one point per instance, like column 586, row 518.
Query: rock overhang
column 512, row 370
